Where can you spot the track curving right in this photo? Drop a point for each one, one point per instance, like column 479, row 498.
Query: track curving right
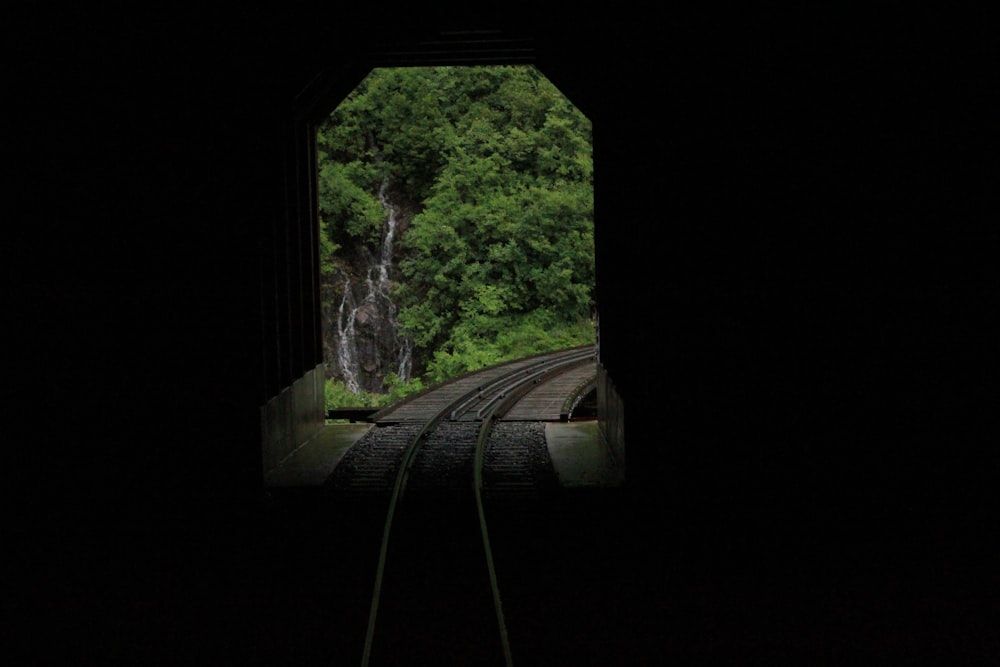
column 466, row 395
column 435, row 580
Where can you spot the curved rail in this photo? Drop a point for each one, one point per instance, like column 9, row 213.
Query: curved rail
column 490, row 399
column 469, row 389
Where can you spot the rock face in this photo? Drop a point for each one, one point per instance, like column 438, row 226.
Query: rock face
column 361, row 339
column 361, row 342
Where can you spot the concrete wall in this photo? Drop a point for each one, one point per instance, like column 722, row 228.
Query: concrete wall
column 611, row 417
column 292, row 417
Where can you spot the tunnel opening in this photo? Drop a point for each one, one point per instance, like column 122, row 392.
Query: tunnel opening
column 302, row 413
column 455, row 212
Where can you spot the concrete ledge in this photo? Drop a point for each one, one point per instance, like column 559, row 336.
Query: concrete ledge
column 580, row 455
column 313, row 461
column 291, row 418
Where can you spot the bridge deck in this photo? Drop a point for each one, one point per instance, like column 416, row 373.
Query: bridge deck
column 579, row 453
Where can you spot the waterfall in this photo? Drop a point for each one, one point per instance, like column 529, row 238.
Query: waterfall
column 361, row 355
column 385, row 262
column 385, row 258
column 347, row 350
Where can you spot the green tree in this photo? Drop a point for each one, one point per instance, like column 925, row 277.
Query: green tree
column 496, row 167
column 508, row 227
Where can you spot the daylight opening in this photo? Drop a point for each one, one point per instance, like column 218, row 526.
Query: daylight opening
column 456, row 228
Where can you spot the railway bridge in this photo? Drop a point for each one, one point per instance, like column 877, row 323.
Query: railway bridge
column 561, row 403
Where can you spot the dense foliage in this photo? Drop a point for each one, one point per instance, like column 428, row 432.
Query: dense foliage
column 494, row 167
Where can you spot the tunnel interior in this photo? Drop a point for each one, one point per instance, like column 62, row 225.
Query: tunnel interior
column 796, row 242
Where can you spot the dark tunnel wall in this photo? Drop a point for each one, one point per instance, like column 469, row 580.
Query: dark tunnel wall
column 821, row 205
column 796, row 262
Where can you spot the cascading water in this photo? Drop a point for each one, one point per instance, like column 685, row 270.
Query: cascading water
column 384, row 286
column 364, row 354
column 347, row 353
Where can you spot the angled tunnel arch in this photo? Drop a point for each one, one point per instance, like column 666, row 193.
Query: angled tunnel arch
column 293, row 410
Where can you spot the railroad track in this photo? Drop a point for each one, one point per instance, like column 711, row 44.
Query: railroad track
column 436, row 598
column 474, row 393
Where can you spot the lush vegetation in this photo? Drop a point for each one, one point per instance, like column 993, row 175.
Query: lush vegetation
column 494, row 168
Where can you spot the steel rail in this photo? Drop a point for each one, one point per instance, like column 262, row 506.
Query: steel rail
column 511, row 389
column 504, row 381
column 477, row 484
column 535, row 377
column 397, row 492
column 385, row 414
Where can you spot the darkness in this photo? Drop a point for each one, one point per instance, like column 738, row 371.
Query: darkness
column 796, row 217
